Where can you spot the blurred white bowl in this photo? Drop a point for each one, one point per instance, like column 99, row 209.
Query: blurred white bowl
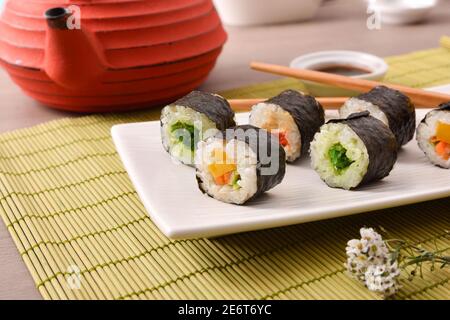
column 257, row 12
column 402, row 11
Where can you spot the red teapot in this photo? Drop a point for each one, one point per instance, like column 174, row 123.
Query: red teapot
column 109, row 55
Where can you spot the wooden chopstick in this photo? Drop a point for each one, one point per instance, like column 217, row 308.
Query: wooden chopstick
column 418, row 96
column 246, row 104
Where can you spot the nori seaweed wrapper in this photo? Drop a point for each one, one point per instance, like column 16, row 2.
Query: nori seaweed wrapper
column 307, row 113
column 399, row 111
column 215, row 107
column 268, row 150
column 444, row 107
column 380, row 143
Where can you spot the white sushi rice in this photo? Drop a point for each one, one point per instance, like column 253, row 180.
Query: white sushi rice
column 355, row 105
column 237, row 152
column 329, row 135
column 272, row 117
column 426, row 130
column 172, row 114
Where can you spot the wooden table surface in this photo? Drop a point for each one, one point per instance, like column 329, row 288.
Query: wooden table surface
column 341, row 24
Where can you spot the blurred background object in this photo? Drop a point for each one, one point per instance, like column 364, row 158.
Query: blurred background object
column 258, row 12
column 338, row 25
column 402, row 11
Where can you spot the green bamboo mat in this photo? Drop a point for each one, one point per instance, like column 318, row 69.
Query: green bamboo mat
column 74, row 215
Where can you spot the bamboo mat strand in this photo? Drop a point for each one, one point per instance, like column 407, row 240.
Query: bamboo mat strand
column 73, row 214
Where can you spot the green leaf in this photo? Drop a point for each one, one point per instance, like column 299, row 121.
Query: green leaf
column 338, row 158
column 185, row 133
column 235, row 180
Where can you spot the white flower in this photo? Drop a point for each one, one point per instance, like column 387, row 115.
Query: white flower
column 383, row 278
column 362, row 253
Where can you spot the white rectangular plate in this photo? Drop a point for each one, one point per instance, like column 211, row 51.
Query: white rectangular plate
column 170, row 194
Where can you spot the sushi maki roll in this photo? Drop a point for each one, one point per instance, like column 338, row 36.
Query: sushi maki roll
column 388, row 105
column 433, row 136
column 348, row 153
column 293, row 117
column 195, row 117
column 239, row 164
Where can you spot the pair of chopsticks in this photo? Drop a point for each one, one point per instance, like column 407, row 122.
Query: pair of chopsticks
column 421, row 98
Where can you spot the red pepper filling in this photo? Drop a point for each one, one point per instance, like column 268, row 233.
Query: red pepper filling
column 281, row 137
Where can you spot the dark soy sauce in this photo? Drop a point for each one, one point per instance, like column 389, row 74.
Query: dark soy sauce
column 344, row 70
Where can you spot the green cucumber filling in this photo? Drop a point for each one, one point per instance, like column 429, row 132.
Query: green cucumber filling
column 234, row 181
column 338, row 158
column 185, row 133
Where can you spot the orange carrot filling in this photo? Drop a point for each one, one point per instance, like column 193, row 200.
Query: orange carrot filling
column 223, row 179
column 441, row 140
column 443, row 150
column 443, row 132
column 220, row 169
